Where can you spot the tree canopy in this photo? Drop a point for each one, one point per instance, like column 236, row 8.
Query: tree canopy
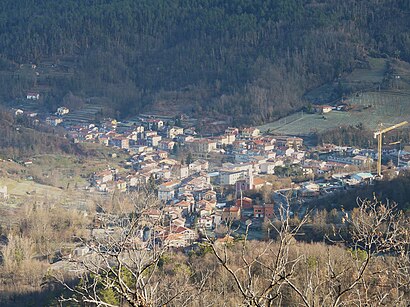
column 233, row 56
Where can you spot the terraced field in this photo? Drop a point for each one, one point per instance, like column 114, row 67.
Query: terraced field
column 85, row 115
column 370, row 109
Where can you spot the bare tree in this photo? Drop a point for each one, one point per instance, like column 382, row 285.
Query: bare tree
column 372, row 270
column 260, row 274
column 130, row 263
column 125, row 265
column 378, row 231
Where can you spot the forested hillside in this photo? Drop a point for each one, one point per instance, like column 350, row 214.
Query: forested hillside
column 235, row 57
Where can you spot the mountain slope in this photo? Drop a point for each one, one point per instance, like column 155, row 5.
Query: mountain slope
column 250, row 59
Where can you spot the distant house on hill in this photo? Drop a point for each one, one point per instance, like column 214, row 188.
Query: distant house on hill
column 18, row 112
column 62, row 111
column 53, row 120
column 323, row 109
column 33, row 96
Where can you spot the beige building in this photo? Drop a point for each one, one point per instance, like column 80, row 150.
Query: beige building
column 248, row 133
column 174, row 131
column 201, row 145
column 230, row 177
column 362, row 160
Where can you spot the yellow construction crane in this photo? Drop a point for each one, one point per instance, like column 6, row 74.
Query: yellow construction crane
column 379, row 135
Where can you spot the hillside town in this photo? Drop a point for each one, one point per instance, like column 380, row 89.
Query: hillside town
column 201, row 180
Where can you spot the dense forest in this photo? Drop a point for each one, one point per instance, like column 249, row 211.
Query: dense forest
column 359, row 136
column 238, row 58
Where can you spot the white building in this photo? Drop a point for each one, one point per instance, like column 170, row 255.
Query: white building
column 62, row 110
column 230, row 177
column 166, row 191
column 268, row 168
column 33, row 96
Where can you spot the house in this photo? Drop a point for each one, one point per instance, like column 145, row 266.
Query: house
column 198, row 165
column 166, row 191
column 183, row 138
column 62, row 110
column 323, row 109
column 161, row 154
column 27, row 162
column 196, row 186
column 103, row 176
column 174, row 240
column 179, row 236
column 188, row 234
column 249, row 133
column 230, row 177
column 201, row 145
column 152, row 214
column 258, row 183
column 224, row 140
column 166, row 144
column 173, row 213
column 293, row 142
column 31, row 114
column 205, row 207
column 362, row 178
column 362, row 160
column 210, row 196
column 309, row 190
column 103, row 139
column 153, row 124
column 268, row 167
column 139, row 129
column 54, row 120
column 231, row 214
column 186, row 207
column 33, row 96
column 163, row 174
column 244, row 203
column 206, row 222
column 109, row 124
column 120, row 142
column 263, row 211
column 132, row 136
column 121, row 185
column 153, row 140
column 239, row 144
column 174, row 131
column 225, row 240
column 264, row 145
column 18, row 112
column 232, row 131
column 180, row 171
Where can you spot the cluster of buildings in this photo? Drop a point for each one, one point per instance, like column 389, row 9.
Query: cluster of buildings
column 236, row 160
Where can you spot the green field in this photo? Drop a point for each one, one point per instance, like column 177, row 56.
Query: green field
column 369, row 105
column 28, row 187
column 370, row 109
column 374, row 73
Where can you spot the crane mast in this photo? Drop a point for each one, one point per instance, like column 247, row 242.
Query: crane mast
column 379, row 135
